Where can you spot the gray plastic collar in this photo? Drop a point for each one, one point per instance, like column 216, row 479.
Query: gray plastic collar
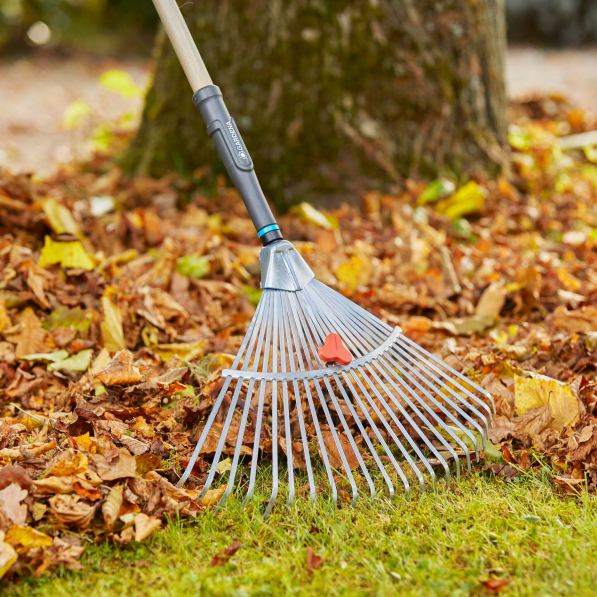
column 283, row 268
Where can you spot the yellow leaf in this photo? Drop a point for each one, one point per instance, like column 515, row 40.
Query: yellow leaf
column 8, row 556
column 60, row 219
column 348, row 272
column 185, row 351
column 120, row 82
column 75, row 113
column 213, row 496
column 5, row 322
column 25, row 538
column 224, row 466
column 541, row 390
column 85, row 442
column 306, row 212
column 111, row 326
column 67, row 254
column 78, row 463
column 468, row 199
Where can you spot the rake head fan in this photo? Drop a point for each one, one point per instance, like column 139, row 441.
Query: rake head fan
column 395, row 411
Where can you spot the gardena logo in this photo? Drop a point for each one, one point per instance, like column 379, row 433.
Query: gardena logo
column 241, row 152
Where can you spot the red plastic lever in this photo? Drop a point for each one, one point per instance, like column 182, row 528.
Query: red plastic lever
column 333, row 351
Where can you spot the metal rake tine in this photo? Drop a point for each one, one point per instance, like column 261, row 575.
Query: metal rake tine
column 291, row 333
column 245, row 414
column 252, row 326
column 417, row 398
column 320, row 313
column 422, row 435
column 386, row 328
column 275, row 478
column 321, row 334
column 301, row 324
column 323, row 450
column 262, row 388
column 391, row 433
column 285, row 401
column 443, row 396
column 230, row 414
column 347, row 428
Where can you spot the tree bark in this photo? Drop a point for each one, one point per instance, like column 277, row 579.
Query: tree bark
column 335, row 97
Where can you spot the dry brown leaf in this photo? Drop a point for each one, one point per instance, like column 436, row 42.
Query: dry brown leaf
column 54, row 485
column 76, row 463
column 10, row 503
column 120, row 370
column 29, row 336
column 213, row 496
column 121, row 467
column 492, row 300
column 314, row 561
column 223, row 557
column 495, row 585
column 111, row 326
column 112, row 504
column 70, row 510
column 145, row 525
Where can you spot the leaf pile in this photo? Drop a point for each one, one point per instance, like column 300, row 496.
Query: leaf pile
column 122, row 299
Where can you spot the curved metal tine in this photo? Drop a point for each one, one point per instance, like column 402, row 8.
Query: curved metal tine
column 216, row 407
column 326, row 329
column 418, row 370
column 426, row 362
column 392, row 434
column 346, row 303
column 453, row 371
column 285, row 400
column 259, row 419
column 359, row 322
column 247, row 407
column 294, row 348
column 403, row 411
column 275, row 476
column 300, row 325
column 314, row 417
column 319, row 335
column 231, row 409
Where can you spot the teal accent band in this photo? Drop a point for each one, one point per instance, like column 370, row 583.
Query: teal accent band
column 267, row 229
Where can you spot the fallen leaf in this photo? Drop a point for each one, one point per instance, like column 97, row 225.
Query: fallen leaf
column 539, row 391
column 10, row 503
column 67, row 254
column 112, row 504
column 15, row 474
column 30, row 337
column 193, row 266
column 24, row 538
column 111, row 326
column 78, row 362
column 70, row 510
column 223, row 557
column 495, row 585
column 465, row 326
column 306, row 212
column 314, row 561
column 468, row 199
column 76, row 463
column 119, row 468
column 145, row 525
column 8, row 556
column 213, row 496
column 224, row 466
column 60, row 218
column 492, row 300
column 120, row 370
column 436, row 189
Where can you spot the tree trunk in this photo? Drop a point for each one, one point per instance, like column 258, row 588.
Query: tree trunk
column 335, row 97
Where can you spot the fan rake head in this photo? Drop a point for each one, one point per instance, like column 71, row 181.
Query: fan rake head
column 395, row 411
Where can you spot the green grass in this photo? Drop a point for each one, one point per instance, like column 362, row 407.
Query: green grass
column 441, row 543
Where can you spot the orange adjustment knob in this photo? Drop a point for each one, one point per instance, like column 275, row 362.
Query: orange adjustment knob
column 333, row 351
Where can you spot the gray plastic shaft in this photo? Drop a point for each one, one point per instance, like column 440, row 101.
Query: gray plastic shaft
column 220, row 125
column 223, row 130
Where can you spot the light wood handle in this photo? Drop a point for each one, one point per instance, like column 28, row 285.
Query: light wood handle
column 183, row 43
